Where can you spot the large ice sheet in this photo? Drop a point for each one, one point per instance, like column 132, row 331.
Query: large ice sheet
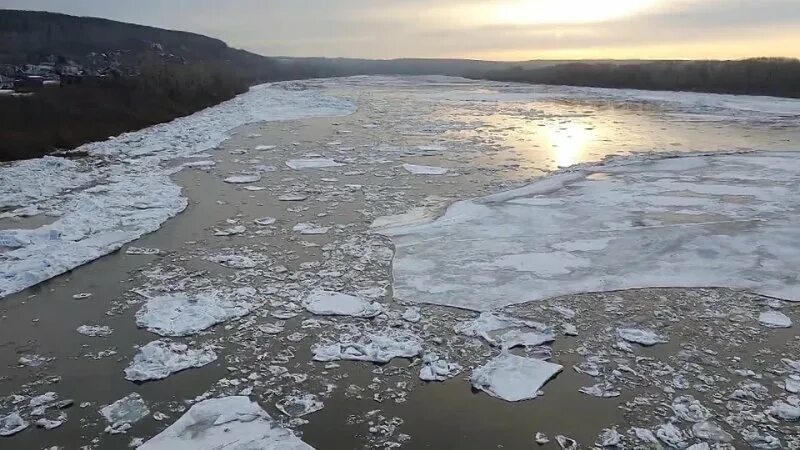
column 124, row 191
column 728, row 220
column 232, row 423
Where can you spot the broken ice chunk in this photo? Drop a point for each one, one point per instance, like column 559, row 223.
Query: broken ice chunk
column 243, row 179
column 182, row 314
column 94, row 330
column 775, row 319
column 380, row 348
column 142, row 251
column 159, row 359
column 292, row 198
column 412, row 315
column 239, row 229
column 609, row 437
column 671, row 435
column 310, row 228
column 299, row 405
column 514, row 378
column 327, row 303
column 12, row 424
column 487, row 325
column 312, row 163
column 437, row 369
column 124, row 412
column 640, row 336
column 711, row 431
column 265, row 221
column 689, row 409
column 229, row 423
column 425, row 170
column 785, row 411
column 601, row 390
column 264, row 147
column 520, row 338
column 233, row 261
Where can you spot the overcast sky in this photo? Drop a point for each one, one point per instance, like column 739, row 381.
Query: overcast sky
column 489, row 29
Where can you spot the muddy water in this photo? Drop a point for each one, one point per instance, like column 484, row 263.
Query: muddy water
column 487, row 152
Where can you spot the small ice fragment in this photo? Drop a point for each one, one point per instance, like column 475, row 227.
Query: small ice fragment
column 541, row 438
column 265, row 221
column 645, row 435
column 160, row 359
column 12, row 424
column 271, row 328
column 566, row 443
column 643, row 337
column 142, row 251
column 514, row 378
column 711, row 431
column 412, row 315
column 124, row 412
column 82, row 296
column 521, row 338
column 265, row 147
column 48, row 424
column 792, row 384
column 94, row 330
column 785, row 411
column 199, row 164
column 425, row 170
column 437, row 369
column 299, row 405
column 310, row 228
column 239, row 229
column 689, row 409
column 609, row 437
column 312, row 163
column 569, row 329
column 327, row 303
column 671, row 435
column 601, row 390
column 775, row 319
column 243, row 179
column 229, row 423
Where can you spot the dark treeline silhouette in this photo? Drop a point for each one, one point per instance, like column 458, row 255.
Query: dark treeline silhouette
column 758, row 76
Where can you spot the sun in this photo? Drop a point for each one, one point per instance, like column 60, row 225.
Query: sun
column 531, row 12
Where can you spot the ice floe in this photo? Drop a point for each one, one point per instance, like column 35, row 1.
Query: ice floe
column 299, row 405
column 514, row 378
column 160, row 359
column 243, row 179
column 327, row 303
column 121, row 414
column 310, row 228
column 374, row 347
column 775, row 319
column 94, row 330
column 640, row 336
column 12, row 424
column 435, row 368
column 312, row 163
column 185, row 314
column 228, row 422
column 425, row 170
column 662, row 222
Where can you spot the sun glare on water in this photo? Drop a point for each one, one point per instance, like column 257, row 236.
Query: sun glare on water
column 567, row 11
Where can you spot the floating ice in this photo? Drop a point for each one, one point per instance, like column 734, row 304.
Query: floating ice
column 310, row 229
column 265, row 221
column 12, row 424
column 425, row 170
column 775, row 319
column 327, row 303
column 711, row 431
column 414, row 216
column 243, row 179
column 639, row 336
column 312, row 163
column 184, row 314
column 233, row 261
column 490, row 325
column 692, row 221
column 299, row 405
column 379, row 348
column 160, row 359
column 435, row 368
column 689, row 409
column 199, row 164
column 94, row 330
column 601, row 390
column 785, row 411
column 521, row 338
column 292, row 198
column 233, row 423
column 514, row 378
column 124, row 412
column 238, row 229
column 265, row 147
column 142, row 251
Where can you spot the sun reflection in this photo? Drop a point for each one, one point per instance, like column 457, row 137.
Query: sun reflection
column 568, row 142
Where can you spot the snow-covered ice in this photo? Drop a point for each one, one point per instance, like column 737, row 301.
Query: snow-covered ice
column 374, row 347
column 185, row 314
column 513, row 378
column 724, row 220
column 234, row 423
column 327, row 303
column 425, row 170
column 160, row 359
column 312, row 163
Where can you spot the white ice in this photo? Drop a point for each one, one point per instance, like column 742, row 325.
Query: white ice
column 232, row 423
column 374, row 347
column 185, row 314
column 613, row 226
column 160, row 359
column 94, row 330
column 124, row 412
column 299, row 405
column 640, row 336
column 425, row 170
column 435, row 368
column 775, row 319
column 124, row 191
column 243, row 179
column 310, row 228
column 12, row 424
column 312, row 163
column 514, row 378
column 327, row 303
